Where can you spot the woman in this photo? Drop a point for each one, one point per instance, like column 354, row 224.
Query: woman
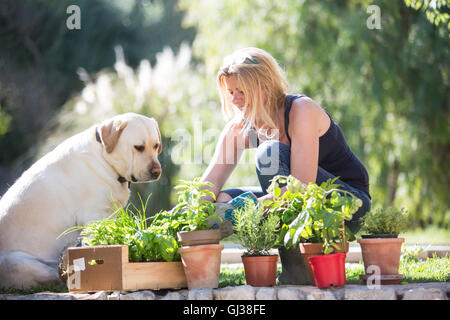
column 293, row 134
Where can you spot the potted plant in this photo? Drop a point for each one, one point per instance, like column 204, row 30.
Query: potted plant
column 194, row 213
column 200, row 251
column 125, row 252
column 314, row 216
column 381, row 246
column 129, row 226
column 257, row 234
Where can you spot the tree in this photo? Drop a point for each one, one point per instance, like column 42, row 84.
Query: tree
column 40, row 58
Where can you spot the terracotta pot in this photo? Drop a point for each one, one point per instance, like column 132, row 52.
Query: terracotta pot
column 384, row 253
column 200, row 237
column 260, row 271
column 201, row 265
column 310, row 250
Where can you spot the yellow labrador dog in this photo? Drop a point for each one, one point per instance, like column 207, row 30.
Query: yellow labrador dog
column 70, row 186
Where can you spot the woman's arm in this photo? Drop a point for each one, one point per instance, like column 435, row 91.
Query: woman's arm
column 228, row 151
column 305, row 130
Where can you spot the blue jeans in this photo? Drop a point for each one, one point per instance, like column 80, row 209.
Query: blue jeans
column 274, row 158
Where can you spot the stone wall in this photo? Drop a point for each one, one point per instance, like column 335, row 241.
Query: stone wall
column 418, row 291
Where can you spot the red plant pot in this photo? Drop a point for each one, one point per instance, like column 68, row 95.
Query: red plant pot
column 310, row 250
column 329, row 270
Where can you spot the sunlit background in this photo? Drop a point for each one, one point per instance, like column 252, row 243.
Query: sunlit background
column 387, row 87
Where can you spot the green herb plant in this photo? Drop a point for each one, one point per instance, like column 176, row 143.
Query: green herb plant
column 313, row 213
column 385, row 221
column 256, row 232
column 193, row 210
column 155, row 238
column 130, row 227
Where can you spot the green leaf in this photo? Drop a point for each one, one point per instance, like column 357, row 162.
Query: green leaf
column 298, row 225
column 288, row 238
column 277, row 191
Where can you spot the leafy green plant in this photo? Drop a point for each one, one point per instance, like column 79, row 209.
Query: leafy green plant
column 256, row 232
column 192, row 211
column 313, row 213
column 130, row 227
column 155, row 238
column 385, row 221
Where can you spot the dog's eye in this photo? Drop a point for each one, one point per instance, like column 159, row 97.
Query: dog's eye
column 139, row 148
column 156, row 146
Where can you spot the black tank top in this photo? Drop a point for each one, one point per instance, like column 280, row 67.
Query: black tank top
column 335, row 155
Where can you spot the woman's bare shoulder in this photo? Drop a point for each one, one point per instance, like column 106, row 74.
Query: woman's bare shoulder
column 308, row 113
column 305, row 107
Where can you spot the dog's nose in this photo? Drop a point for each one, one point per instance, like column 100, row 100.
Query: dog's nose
column 155, row 172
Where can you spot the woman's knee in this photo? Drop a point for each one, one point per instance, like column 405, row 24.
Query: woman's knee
column 272, row 157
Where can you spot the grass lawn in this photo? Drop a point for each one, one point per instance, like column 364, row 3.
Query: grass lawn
column 428, row 236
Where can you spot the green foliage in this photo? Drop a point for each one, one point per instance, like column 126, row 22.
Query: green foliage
column 156, row 241
column 42, row 63
column 192, row 210
column 410, row 255
column 231, row 276
column 437, row 11
column 312, row 212
column 256, row 232
column 385, row 221
column 129, row 226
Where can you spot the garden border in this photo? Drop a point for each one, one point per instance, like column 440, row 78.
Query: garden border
column 413, row 291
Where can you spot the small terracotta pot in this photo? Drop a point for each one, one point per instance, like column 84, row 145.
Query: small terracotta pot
column 382, row 252
column 200, row 237
column 260, row 271
column 202, row 265
column 310, row 250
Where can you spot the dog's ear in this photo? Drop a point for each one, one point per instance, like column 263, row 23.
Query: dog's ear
column 110, row 132
column 159, row 135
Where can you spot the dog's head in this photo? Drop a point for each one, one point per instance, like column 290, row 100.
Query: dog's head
column 132, row 143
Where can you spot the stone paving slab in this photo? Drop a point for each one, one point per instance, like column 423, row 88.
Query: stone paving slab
column 414, row 291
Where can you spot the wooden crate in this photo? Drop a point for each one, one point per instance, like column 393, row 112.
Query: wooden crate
column 107, row 268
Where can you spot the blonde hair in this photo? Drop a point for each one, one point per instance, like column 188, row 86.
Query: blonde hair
column 263, row 83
